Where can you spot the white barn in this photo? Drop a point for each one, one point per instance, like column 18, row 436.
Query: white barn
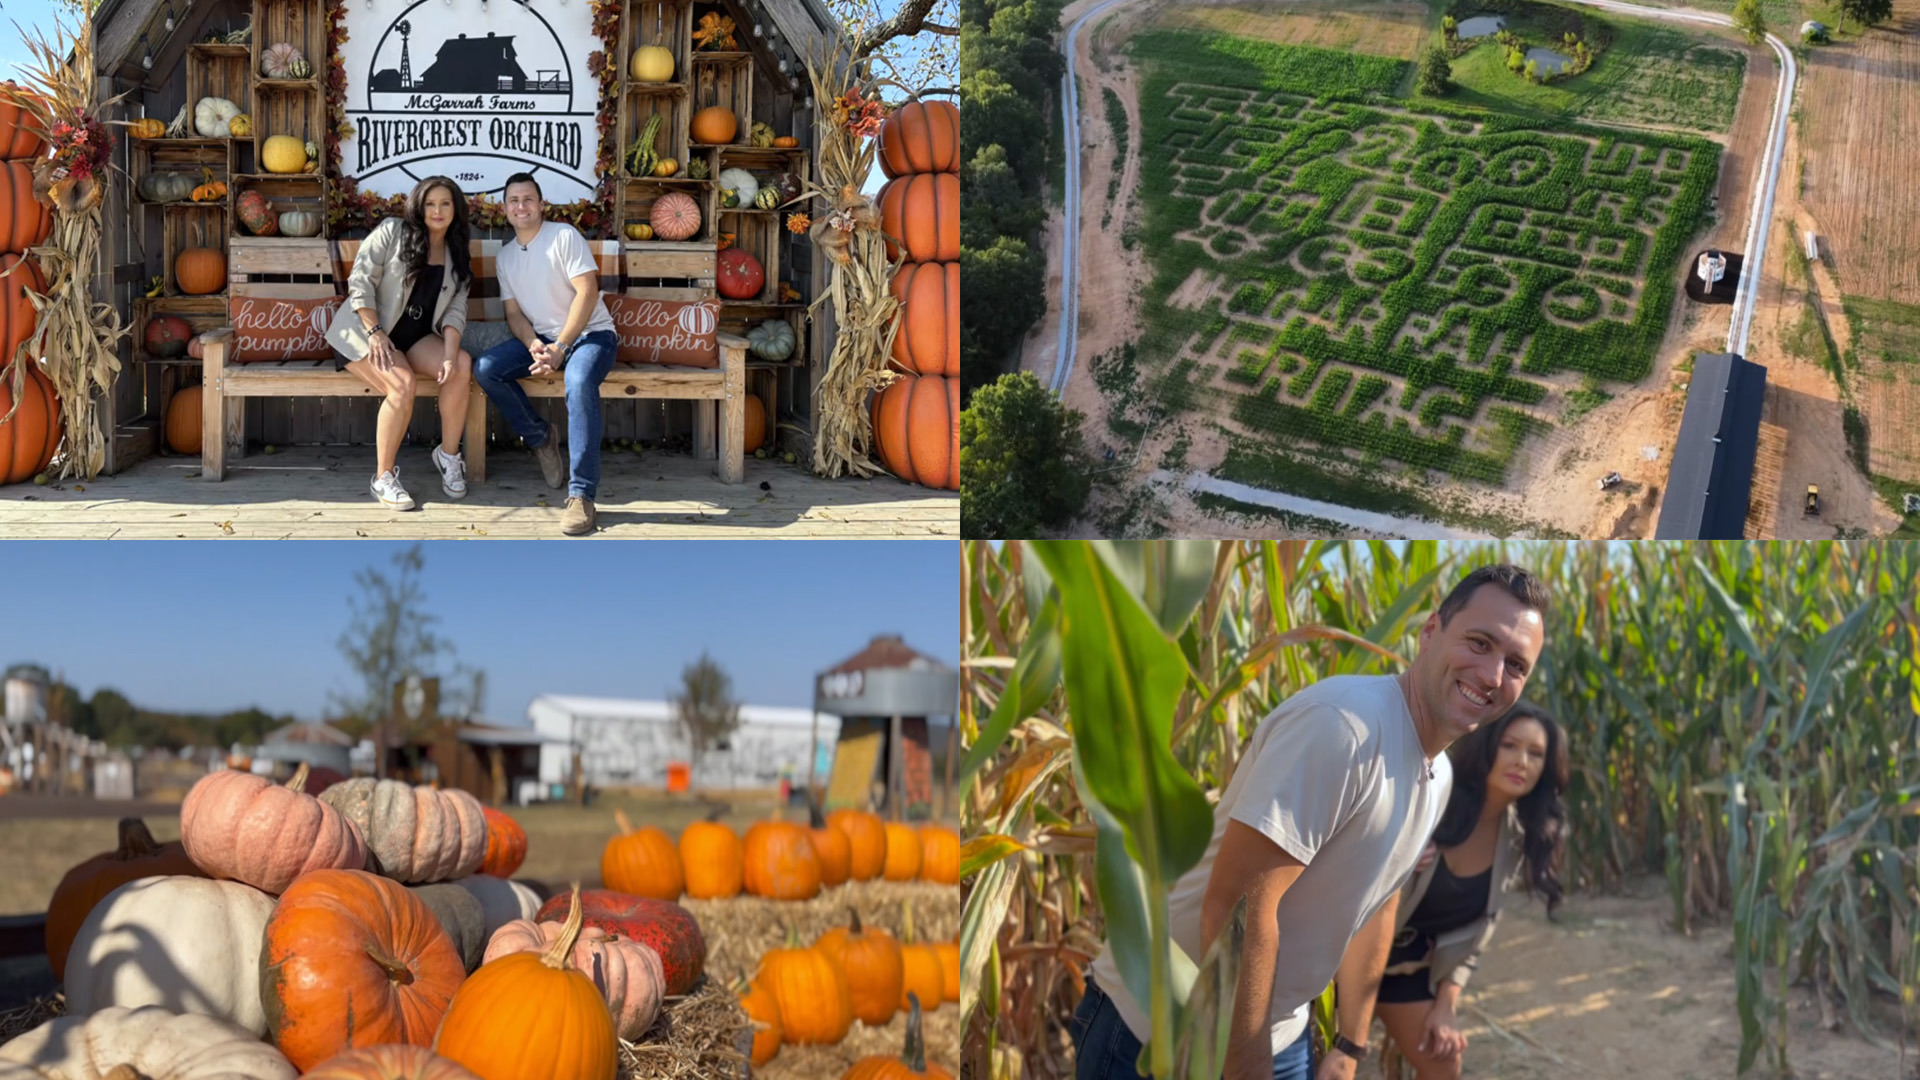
column 626, row 741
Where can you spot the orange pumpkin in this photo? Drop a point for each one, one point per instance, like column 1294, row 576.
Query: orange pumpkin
column 919, row 965
column 756, row 434
column 397, row 1062
column 779, row 862
column 200, row 271
column 939, row 855
column 916, row 429
column 866, row 841
column 928, row 342
column 815, row 1007
column 642, row 862
column 763, row 1009
column 903, row 853
column 710, row 852
column 27, row 441
column 834, row 851
column 910, row 1065
column 715, row 124
column 183, row 421
column 24, row 220
column 948, row 953
column 921, row 137
column 137, row 856
column 869, row 959
column 532, row 1016
column 353, row 959
column 17, row 139
column 922, row 212
column 506, row 844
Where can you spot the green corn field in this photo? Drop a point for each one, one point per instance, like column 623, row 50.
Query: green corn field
column 1743, row 723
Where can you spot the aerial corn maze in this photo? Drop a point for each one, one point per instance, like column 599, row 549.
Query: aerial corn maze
column 1395, row 283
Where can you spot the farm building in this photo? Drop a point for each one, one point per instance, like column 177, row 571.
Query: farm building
column 627, row 741
column 884, row 695
column 1711, row 479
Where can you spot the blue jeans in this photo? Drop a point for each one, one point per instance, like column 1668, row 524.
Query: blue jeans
column 499, row 371
column 1105, row 1049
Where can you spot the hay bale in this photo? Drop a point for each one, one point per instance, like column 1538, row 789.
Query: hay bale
column 17, row 1022
column 699, row 1035
column 940, row 1028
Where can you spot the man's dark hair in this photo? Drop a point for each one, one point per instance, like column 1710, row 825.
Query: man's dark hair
column 524, row 178
column 1518, row 583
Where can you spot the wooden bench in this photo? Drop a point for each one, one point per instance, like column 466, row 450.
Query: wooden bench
column 718, row 394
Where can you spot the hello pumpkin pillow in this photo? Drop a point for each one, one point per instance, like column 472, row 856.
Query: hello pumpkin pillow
column 665, row 331
column 275, row 329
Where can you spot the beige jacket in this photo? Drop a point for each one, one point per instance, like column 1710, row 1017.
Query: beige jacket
column 380, row 281
column 1457, row 952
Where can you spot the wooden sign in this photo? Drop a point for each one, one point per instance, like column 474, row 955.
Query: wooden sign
column 666, row 326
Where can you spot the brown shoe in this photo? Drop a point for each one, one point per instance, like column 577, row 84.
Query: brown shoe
column 577, row 519
column 553, row 467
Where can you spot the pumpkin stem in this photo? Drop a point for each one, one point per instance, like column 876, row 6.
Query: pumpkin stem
column 299, row 781
column 122, row 1072
column 906, row 923
column 569, row 933
column 620, row 819
column 135, row 841
column 915, row 1056
column 397, row 972
column 793, row 935
column 853, row 926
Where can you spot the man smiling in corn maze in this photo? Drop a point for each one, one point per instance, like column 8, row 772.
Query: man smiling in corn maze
column 1337, row 792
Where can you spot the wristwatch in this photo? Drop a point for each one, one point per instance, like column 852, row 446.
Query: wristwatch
column 1354, row 1050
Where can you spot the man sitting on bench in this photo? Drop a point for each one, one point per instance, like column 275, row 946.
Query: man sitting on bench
column 551, row 284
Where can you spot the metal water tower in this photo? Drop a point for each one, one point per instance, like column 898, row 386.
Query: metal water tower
column 26, row 694
column 883, row 695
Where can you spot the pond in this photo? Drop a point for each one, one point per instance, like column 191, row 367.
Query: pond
column 1479, row 26
column 1551, row 63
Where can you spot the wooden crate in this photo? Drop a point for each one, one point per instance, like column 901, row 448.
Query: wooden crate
column 190, row 225
column 188, row 156
column 725, row 78
column 301, row 24
column 641, row 103
column 659, row 264
column 637, row 198
column 220, row 71
column 202, row 313
column 288, row 108
column 658, row 22
column 300, row 260
column 302, row 192
column 757, row 232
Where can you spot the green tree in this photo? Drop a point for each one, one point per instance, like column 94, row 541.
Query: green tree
column 997, row 112
column 389, row 637
column 1002, row 292
column 1022, row 465
column 705, row 705
column 1749, row 20
column 113, row 717
column 994, row 202
column 1436, row 74
column 1867, row 12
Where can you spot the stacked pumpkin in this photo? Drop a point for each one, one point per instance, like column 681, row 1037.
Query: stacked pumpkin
column 917, row 418
column 28, row 440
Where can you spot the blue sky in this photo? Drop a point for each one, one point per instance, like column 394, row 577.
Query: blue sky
column 212, row 627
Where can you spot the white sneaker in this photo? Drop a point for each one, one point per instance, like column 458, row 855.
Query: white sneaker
column 453, row 473
column 386, row 488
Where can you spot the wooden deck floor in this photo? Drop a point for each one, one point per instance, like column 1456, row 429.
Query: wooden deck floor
column 321, row 493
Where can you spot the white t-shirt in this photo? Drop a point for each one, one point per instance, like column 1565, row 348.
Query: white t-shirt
column 540, row 278
column 1336, row 776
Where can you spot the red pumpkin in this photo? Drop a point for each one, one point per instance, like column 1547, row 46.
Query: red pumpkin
column 506, row 844
column 921, row 137
column 24, row 220
column 17, row 139
column 167, row 336
column 922, row 212
column 928, row 342
column 27, row 441
column 669, row 928
column 916, row 428
column 739, row 276
column 255, row 211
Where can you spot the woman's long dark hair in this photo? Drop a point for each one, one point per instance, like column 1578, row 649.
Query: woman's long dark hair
column 413, row 231
column 1543, row 818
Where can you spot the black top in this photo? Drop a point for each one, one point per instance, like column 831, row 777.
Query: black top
column 1449, row 903
column 416, row 318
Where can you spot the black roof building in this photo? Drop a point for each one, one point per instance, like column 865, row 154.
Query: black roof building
column 1711, row 480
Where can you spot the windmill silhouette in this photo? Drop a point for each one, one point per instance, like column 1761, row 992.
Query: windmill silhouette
column 406, row 63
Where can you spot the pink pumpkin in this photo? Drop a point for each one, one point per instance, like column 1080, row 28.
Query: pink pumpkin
column 627, row 973
column 246, row 828
column 675, row 216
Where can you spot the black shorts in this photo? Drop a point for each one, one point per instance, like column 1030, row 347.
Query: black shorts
column 1406, row 989
column 402, row 338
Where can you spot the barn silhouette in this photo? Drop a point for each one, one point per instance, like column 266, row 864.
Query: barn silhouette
column 465, row 65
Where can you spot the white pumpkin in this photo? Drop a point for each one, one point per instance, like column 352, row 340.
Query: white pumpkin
column 210, row 117
column 743, row 184
column 156, row 1044
column 501, row 901
column 189, row 945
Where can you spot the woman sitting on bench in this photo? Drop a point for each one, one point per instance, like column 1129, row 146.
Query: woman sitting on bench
column 406, row 309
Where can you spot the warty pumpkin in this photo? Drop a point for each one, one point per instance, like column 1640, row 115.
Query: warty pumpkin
column 353, row 959
column 763, row 1010
column 243, row 827
column 869, row 960
column 186, row 944
column 939, row 855
column 815, row 1007
column 627, row 973
column 395, row 1062
column 910, row 1065
column 414, row 834
column 916, row 429
column 919, row 965
column 150, row 1041
column 459, row 913
column 137, row 856
column 532, row 1016
column 831, row 845
column 921, row 137
column 928, row 341
column 710, row 853
column 642, row 862
column 667, row 928
column 921, row 213
column 903, row 852
column 506, row 844
column 780, row 863
column 866, row 841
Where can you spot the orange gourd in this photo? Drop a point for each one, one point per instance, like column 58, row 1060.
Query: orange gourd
column 183, row 421
column 149, row 128
column 24, row 220
column 866, row 841
column 922, row 213
column 138, row 855
column 948, row 953
column 17, row 137
column 756, row 433
column 919, row 965
column 353, row 959
column 532, row 1016
column 916, row 428
column 779, row 862
column 928, row 341
column 642, row 862
column 815, row 1007
column 830, row 845
column 27, row 441
column 763, row 1009
column 710, row 853
column 715, row 124
column 396, row 1062
column 506, row 844
column 869, row 960
column 939, row 855
column 200, row 271
column 910, row 1065
column 921, row 137
column 903, row 853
